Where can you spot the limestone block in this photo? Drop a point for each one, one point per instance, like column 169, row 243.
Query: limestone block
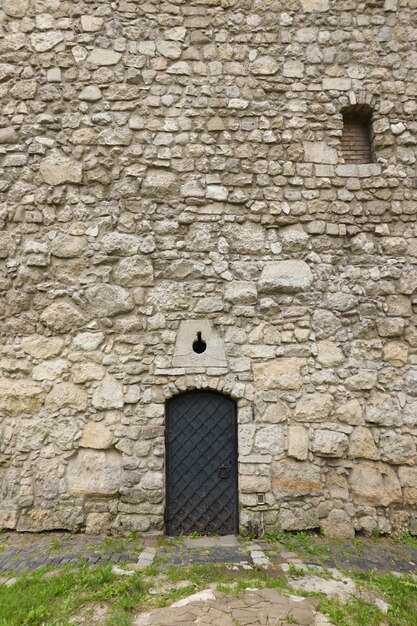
column 8, row 135
column 319, row 152
column 184, row 355
column 91, row 24
column 298, row 442
column 152, row 480
column 311, row 6
column 383, row 409
column 7, row 245
column 97, row 436
column 396, row 353
column 350, row 412
column 397, row 448
column 159, row 183
column 246, row 238
column 408, row 281
column 91, row 93
column 169, row 49
column 329, row 354
column 102, row 56
column 285, row 276
column 62, row 317
column 66, row 395
column 410, row 380
column 85, row 372
column 94, row 473
column 15, row 8
column 298, row 518
column 295, row 478
column 42, row 347
column 180, row 68
column 98, row 523
column 408, row 476
column 134, row 271
column 313, row 407
column 264, row 65
column 280, row 373
column 275, row 412
column 56, row 170
column 338, row 525
column 120, row 244
column 254, row 484
column 391, row 326
column 246, row 436
column 362, row 444
column 363, row 381
column 375, row 484
column 109, row 300
column 68, row 246
column 337, row 84
column 49, row 370
column 241, row 292
column 24, row 90
column 217, row 192
column 47, row 40
column 108, row 394
column 19, row 396
column 293, row 69
column 270, row 439
column 209, row 305
column 329, row 443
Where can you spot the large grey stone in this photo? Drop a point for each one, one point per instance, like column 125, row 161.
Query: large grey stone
column 109, row 300
column 94, row 473
column 285, row 276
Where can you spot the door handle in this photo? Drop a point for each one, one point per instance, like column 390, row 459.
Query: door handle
column 223, row 471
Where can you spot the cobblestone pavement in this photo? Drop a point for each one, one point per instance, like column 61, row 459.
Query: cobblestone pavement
column 254, row 607
column 25, row 552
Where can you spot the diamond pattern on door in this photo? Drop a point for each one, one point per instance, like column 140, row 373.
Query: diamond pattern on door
column 201, row 447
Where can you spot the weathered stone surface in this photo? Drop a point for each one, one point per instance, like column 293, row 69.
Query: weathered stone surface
column 338, row 525
column 51, row 370
column 159, row 182
column 383, row 409
column 282, row 373
column 56, row 170
column 96, row 436
column 8, row 135
column 350, row 412
column 15, row 8
column 61, row 317
column 362, row 444
column 396, row 353
column 46, row 41
column 94, row 473
column 241, row 292
column 397, row 448
column 102, row 56
column 66, row 395
column 329, row 443
column 42, row 347
column 329, row 354
column 313, row 407
column 270, row 439
column 109, row 300
column 68, row 247
column 295, row 478
column 85, row 372
column 20, row 396
column 285, row 276
column 108, row 394
column 375, row 484
column 298, row 443
column 134, row 271
column 264, row 65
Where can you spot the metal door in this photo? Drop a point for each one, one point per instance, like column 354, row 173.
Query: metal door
column 201, row 464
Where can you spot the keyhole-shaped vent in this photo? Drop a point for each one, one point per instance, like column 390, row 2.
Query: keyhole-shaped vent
column 199, row 345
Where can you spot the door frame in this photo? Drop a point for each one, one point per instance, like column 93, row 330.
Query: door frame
column 194, row 392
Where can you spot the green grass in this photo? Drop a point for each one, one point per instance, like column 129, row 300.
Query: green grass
column 36, row 600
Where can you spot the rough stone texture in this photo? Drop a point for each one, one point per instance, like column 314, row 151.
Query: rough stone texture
column 174, row 168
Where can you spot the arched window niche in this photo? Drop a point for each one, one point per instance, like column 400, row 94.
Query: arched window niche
column 357, row 134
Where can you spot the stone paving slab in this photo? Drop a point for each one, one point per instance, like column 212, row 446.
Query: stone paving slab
column 252, row 608
column 183, row 556
column 226, row 541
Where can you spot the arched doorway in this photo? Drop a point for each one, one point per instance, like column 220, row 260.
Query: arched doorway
column 201, row 464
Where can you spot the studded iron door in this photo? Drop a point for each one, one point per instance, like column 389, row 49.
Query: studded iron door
column 201, row 446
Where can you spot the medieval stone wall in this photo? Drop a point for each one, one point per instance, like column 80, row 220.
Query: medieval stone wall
column 165, row 163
